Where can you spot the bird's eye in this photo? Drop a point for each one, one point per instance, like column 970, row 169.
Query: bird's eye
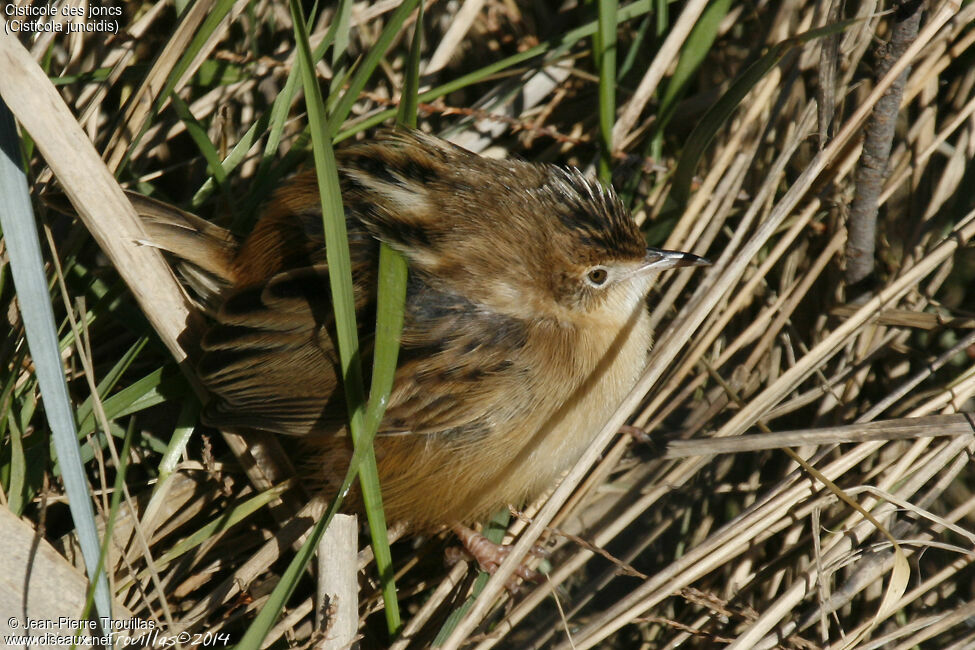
column 597, row 276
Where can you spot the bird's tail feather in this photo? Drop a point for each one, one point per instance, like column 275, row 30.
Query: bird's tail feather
column 202, row 253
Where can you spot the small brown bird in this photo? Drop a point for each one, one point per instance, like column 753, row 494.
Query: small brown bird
column 526, row 320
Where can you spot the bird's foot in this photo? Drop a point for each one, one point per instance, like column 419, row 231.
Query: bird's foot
column 489, row 556
column 638, row 434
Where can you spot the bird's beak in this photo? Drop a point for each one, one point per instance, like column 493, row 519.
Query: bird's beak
column 657, row 259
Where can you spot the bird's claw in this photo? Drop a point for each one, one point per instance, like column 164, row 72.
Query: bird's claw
column 490, row 555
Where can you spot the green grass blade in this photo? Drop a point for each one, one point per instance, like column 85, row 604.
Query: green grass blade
column 208, row 532
column 340, row 30
column 108, row 382
column 280, row 110
column 494, row 532
column 715, row 118
column 391, row 300
column 340, row 281
column 237, row 155
column 630, row 11
column 16, row 495
column 27, row 264
column 219, row 11
column 282, row 103
column 604, row 49
column 409, row 102
column 253, row 639
column 695, row 49
column 189, row 415
column 117, row 491
column 633, row 51
column 155, row 388
column 368, row 65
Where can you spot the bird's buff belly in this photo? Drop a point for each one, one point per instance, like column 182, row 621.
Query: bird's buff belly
column 431, row 480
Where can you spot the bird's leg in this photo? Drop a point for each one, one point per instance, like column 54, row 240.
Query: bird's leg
column 489, row 555
column 638, row 434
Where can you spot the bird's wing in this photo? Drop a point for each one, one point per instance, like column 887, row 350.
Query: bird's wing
column 271, row 362
column 457, row 361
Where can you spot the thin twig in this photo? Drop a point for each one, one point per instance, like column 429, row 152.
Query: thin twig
column 872, row 169
column 958, row 424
